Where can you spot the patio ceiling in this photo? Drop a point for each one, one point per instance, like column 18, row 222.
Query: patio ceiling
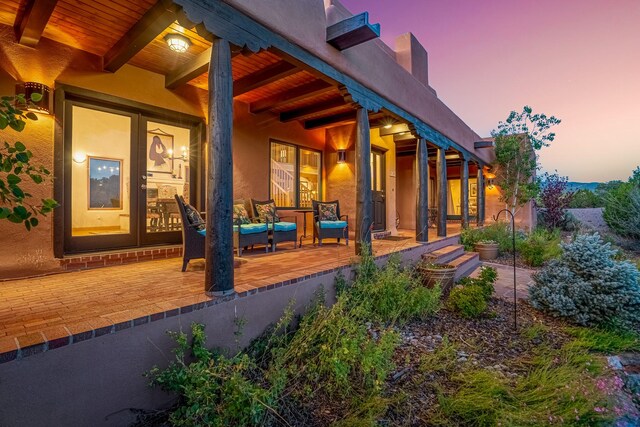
column 133, row 32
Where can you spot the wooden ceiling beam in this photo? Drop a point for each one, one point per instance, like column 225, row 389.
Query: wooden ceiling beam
column 332, row 120
column 304, row 112
column 298, row 93
column 189, row 71
column 30, row 24
column 262, row 77
column 152, row 23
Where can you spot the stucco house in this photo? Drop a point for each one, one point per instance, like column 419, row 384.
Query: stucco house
column 214, row 101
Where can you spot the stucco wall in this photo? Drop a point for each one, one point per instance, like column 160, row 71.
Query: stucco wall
column 525, row 216
column 304, row 22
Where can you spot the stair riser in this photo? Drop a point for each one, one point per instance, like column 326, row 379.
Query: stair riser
column 467, row 267
column 447, row 258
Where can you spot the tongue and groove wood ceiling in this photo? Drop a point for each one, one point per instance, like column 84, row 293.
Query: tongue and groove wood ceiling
column 133, row 32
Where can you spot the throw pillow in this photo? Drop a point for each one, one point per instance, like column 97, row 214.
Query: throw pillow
column 194, row 218
column 267, row 211
column 327, row 211
column 240, row 215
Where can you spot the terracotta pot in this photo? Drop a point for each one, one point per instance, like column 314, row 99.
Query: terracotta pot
column 444, row 274
column 487, row 251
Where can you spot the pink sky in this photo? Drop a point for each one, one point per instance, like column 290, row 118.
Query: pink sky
column 576, row 59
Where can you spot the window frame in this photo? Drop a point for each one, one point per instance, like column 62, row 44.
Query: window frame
column 298, row 148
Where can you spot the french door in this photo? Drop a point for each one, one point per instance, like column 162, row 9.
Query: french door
column 122, row 170
column 377, row 187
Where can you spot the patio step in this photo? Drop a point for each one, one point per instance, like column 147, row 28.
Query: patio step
column 444, row 255
column 466, row 264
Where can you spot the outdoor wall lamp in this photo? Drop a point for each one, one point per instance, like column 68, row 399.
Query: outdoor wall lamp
column 342, row 156
column 32, row 88
column 490, row 177
column 177, row 42
column 80, row 157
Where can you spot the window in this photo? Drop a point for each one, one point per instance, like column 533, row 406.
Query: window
column 296, row 175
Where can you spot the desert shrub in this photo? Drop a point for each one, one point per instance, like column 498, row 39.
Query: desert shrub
column 584, row 198
column 540, row 246
column 555, row 198
column 568, row 221
column 499, row 232
column 587, row 285
column 340, row 354
column 468, row 301
column 469, row 297
column 214, row 390
column 622, row 209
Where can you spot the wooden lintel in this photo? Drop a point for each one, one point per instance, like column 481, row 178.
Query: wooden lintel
column 298, row 93
column 400, row 137
column 332, row 120
column 262, row 77
column 30, row 24
column 304, row 112
column 352, row 31
column 152, row 23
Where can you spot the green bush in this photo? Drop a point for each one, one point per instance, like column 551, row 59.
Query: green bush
column 584, row 198
column 588, row 285
column 622, row 209
column 468, row 301
column 499, row 232
column 540, row 246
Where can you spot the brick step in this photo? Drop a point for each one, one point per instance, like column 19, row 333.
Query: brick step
column 444, row 255
column 466, row 264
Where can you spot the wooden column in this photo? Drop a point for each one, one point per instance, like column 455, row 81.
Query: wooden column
column 464, row 192
column 219, row 240
column 481, row 197
column 441, row 171
column 422, row 191
column 364, row 206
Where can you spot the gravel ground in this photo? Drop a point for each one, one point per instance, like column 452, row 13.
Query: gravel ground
column 591, row 218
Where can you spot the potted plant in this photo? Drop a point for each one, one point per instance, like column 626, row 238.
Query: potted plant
column 432, row 273
column 488, row 249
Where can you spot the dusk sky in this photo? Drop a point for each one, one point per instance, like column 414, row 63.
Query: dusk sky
column 576, row 59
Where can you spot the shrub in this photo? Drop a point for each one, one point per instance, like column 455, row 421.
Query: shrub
column 622, row 209
column 539, row 247
column 587, row 285
column 468, row 300
column 499, row 232
column 555, row 199
column 568, row 222
column 584, row 198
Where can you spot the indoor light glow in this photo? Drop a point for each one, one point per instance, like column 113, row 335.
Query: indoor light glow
column 177, row 42
column 79, row 157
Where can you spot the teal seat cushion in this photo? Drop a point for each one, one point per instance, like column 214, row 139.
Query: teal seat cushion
column 282, row 226
column 203, row 231
column 250, row 228
column 332, row 224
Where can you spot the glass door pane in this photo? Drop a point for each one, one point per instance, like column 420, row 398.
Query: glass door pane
column 310, row 177
column 100, row 173
column 167, row 175
column 283, row 174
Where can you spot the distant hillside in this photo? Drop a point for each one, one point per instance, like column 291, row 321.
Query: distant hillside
column 573, row 186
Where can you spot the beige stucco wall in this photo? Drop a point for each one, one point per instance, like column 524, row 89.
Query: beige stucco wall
column 525, row 216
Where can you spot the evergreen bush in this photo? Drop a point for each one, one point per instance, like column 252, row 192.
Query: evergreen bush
column 469, row 298
column 588, row 285
column 539, row 247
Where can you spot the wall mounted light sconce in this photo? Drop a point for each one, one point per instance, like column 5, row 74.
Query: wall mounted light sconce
column 177, row 42
column 342, row 156
column 79, row 157
column 490, row 177
column 30, row 88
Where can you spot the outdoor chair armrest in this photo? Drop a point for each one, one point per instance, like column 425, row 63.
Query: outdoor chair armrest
column 346, row 217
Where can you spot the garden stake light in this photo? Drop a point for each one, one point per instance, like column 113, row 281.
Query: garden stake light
column 513, row 233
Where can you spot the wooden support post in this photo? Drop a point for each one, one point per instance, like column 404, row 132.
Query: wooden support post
column 464, row 191
column 364, row 203
column 219, row 240
column 481, row 197
column 422, row 190
column 441, row 171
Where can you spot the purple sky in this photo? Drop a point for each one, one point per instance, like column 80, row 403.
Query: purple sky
column 576, row 59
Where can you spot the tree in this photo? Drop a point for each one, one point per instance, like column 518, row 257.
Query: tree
column 555, row 198
column 622, row 207
column 516, row 140
column 16, row 167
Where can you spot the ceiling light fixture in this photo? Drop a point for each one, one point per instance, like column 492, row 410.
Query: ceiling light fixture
column 177, row 42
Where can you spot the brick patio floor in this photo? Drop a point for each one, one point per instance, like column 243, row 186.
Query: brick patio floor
column 61, row 308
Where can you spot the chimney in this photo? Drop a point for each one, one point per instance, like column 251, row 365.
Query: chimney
column 413, row 57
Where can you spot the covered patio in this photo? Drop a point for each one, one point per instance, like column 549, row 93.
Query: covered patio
column 43, row 313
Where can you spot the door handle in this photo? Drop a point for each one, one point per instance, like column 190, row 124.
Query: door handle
column 143, row 187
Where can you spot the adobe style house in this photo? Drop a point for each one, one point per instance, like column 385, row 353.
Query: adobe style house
column 214, row 101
